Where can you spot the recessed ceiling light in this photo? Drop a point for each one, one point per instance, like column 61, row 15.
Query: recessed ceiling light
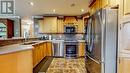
column 82, row 10
column 54, row 10
column 72, row 5
column 31, row 3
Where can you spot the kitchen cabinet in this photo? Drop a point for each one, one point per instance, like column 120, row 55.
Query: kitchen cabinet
column 113, row 3
column 124, row 65
column 109, row 3
column 105, row 3
column 35, row 55
column 16, row 62
column 96, row 6
column 8, row 30
column 80, row 26
column 49, row 48
column 54, row 25
column 81, row 49
column 126, row 7
column 60, row 26
column 48, row 25
column 40, row 51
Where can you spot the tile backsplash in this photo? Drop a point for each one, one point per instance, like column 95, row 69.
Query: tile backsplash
column 64, row 36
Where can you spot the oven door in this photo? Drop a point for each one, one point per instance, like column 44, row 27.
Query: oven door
column 71, row 50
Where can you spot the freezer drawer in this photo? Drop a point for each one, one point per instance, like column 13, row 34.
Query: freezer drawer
column 92, row 66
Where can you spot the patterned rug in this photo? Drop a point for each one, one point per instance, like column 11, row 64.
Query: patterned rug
column 62, row 65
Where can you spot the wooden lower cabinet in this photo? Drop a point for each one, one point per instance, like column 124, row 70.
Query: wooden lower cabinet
column 124, row 65
column 49, row 48
column 40, row 51
column 81, row 49
column 17, row 62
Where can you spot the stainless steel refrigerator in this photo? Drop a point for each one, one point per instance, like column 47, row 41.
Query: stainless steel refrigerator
column 101, row 38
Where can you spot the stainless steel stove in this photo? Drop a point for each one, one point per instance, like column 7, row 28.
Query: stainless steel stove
column 71, row 49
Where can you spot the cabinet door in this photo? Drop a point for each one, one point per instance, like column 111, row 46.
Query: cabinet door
column 114, row 2
column 80, row 26
column 105, row 3
column 48, row 25
column 124, row 65
column 81, row 49
column 49, row 49
column 126, row 7
column 60, row 26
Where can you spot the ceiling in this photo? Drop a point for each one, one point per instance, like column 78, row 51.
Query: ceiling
column 41, row 7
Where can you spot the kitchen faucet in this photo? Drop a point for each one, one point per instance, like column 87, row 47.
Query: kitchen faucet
column 26, row 37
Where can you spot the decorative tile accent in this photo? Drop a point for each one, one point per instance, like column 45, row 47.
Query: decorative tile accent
column 63, row 65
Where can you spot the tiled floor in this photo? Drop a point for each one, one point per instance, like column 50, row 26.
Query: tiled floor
column 62, row 65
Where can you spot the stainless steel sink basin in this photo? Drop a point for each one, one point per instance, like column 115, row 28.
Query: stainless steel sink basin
column 28, row 43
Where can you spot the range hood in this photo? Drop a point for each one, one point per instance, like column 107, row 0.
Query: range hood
column 70, row 20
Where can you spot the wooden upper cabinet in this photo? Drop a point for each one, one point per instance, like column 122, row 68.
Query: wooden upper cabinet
column 48, row 25
column 102, row 4
column 9, row 27
column 110, row 3
column 126, row 7
column 80, row 26
column 56, row 25
column 113, row 3
column 60, row 26
column 105, row 3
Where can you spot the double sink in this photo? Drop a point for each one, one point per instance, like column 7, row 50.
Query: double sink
column 29, row 43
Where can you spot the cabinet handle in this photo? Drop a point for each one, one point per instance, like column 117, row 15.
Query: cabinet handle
column 124, row 23
column 119, row 60
column 120, row 26
column 127, row 13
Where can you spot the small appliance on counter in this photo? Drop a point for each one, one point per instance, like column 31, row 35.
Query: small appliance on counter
column 44, row 37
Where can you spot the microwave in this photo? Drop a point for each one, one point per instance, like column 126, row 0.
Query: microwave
column 70, row 29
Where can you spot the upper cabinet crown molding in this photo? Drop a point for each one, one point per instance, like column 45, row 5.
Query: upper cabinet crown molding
column 91, row 2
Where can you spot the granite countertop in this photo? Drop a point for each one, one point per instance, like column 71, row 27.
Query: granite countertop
column 24, row 46
column 15, row 38
column 81, row 40
column 19, row 47
column 14, row 48
column 78, row 41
